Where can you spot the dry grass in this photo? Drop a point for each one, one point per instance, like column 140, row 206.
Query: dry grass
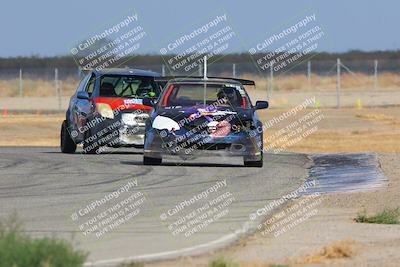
column 342, row 249
column 36, row 87
column 354, row 141
column 225, row 262
column 260, row 263
column 356, row 81
column 386, row 119
column 356, row 134
column 348, row 130
column 23, row 130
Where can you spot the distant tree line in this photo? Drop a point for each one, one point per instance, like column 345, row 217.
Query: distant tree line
column 143, row 60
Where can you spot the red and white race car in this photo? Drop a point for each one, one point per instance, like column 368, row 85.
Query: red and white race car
column 107, row 110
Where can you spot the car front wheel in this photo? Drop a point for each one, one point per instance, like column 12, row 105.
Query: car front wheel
column 67, row 145
column 258, row 163
column 90, row 146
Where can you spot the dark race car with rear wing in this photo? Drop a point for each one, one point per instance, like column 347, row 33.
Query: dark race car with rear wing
column 204, row 116
column 107, row 110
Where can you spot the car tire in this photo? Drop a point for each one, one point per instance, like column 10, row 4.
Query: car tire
column 151, row 161
column 88, row 147
column 257, row 164
column 67, row 144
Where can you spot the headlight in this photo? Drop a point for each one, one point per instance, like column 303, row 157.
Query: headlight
column 105, row 110
column 162, row 122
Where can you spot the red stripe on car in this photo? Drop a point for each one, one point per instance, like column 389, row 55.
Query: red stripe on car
column 165, row 101
column 119, row 103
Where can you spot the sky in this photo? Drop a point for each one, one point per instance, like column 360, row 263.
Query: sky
column 52, row 28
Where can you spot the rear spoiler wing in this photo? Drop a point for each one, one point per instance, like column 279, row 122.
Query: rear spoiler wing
column 165, row 79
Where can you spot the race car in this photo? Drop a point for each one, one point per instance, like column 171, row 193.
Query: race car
column 107, row 110
column 204, row 116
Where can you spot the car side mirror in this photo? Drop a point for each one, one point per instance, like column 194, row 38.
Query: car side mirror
column 147, row 101
column 262, row 104
column 82, row 95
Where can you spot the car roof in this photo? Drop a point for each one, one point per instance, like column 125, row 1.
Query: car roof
column 126, row 71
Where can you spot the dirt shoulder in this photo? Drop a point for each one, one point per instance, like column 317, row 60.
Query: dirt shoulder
column 331, row 237
column 303, row 245
column 341, row 130
column 30, row 130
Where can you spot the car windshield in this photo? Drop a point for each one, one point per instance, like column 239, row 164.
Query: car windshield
column 202, row 94
column 128, row 86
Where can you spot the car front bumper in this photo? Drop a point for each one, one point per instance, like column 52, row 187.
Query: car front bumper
column 116, row 133
column 232, row 145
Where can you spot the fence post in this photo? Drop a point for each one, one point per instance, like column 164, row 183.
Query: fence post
column 21, row 88
column 375, row 74
column 309, row 72
column 57, row 85
column 163, row 70
column 205, row 68
column 234, row 70
column 271, row 80
column 338, row 64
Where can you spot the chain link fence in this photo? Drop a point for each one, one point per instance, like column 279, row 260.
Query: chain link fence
column 333, row 83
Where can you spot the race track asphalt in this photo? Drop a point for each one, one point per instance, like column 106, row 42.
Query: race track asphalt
column 45, row 188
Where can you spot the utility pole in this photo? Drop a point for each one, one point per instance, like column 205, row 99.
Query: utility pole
column 234, row 70
column 375, row 74
column 205, row 78
column 21, row 88
column 338, row 64
column 205, row 68
column 57, row 85
column 271, row 80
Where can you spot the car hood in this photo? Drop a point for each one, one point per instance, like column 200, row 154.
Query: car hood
column 218, row 114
